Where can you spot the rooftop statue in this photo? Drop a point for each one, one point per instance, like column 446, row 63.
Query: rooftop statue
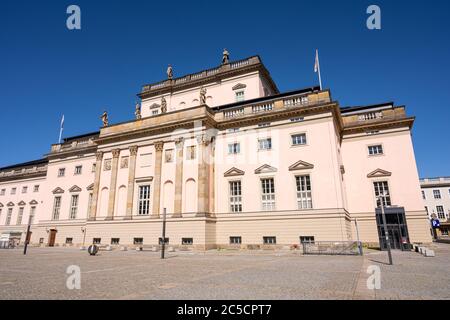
column 202, row 96
column 169, row 72
column 137, row 111
column 225, row 56
column 104, row 118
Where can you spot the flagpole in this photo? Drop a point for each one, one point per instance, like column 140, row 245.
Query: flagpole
column 61, row 129
column 318, row 68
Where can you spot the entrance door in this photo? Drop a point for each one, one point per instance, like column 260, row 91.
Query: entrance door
column 51, row 238
column 396, row 228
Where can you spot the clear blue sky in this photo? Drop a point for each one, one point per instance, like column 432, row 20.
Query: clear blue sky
column 47, row 70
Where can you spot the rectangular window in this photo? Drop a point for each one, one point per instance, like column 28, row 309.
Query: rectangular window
column 265, row 144
column 115, row 240
column 74, row 206
column 160, row 240
column 144, row 200
column 94, row 165
column 20, row 216
column 298, row 139
column 375, row 150
column 90, row 202
column 32, row 213
column 270, row 240
column 2, row 192
column 8, row 216
column 138, row 240
column 41, row 240
column 13, row 190
column 187, row 241
column 306, row 239
column 263, row 125
column 97, row 240
column 381, row 187
column 24, row 189
column 69, row 240
column 155, row 112
column 440, row 212
column 268, row 194
column 78, row 169
column 437, row 194
column 235, row 196
column 304, row 194
column 235, row 240
column 36, row 188
column 240, row 96
column 190, row 153
column 56, row 208
column 168, row 155
column 423, row 195
column 234, row 148
column 61, row 172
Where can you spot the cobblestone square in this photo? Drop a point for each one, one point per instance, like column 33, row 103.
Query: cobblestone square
column 41, row 274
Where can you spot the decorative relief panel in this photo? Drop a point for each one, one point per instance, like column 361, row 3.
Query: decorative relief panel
column 124, row 162
column 107, row 165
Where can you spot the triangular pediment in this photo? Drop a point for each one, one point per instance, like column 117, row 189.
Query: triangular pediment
column 75, row 189
column 90, row 187
column 379, row 173
column 301, row 165
column 239, row 86
column 154, row 106
column 10, row 204
column 33, row 202
column 21, row 203
column 58, row 190
column 265, row 169
column 233, row 172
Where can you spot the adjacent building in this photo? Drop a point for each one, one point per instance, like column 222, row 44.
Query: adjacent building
column 233, row 162
column 436, row 198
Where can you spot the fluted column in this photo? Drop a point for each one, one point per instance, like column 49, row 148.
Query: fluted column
column 179, row 145
column 203, row 175
column 98, row 172
column 131, row 176
column 113, row 184
column 157, row 179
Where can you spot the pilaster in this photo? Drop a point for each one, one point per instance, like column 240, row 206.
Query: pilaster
column 98, row 172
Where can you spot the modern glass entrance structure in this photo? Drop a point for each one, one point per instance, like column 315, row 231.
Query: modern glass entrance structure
column 396, row 228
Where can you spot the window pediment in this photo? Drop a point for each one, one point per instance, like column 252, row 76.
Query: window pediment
column 33, row 202
column 265, row 169
column 90, row 187
column 301, row 165
column 379, row 173
column 10, row 204
column 75, row 188
column 154, row 106
column 233, row 172
column 239, row 86
column 21, row 203
column 58, row 190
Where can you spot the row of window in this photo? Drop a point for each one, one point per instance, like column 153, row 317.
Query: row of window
column 24, row 190
column 439, row 211
column 436, row 194
column 77, row 171
column 19, row 215
column 190, row 241
column 73, row 209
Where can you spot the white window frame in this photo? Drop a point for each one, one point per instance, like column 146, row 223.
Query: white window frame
column 36, row 188
column 20, row 216
column 25, row 189
column 61, row 172
column 78, row 172
column 144, row 199
column 239, row 95
column 268, row 199
column 234, row 148
column 74, row 201
column 304, row 196
column 56, row 207
column 2, row 192
column 13, row 191
column 8, row 216
column 437, row 194
column 32, row 214
column 265, row 147
column 235, row 200
column 440, row 214
column 304, row 141
column 388, row 200
column 375, row 149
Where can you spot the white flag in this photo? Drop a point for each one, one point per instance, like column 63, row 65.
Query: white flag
column 316, row 64
column 62, row 122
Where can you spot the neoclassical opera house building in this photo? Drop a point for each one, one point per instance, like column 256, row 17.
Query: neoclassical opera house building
column 233, row 161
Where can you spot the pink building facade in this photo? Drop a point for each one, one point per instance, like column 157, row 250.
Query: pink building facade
column 233, row 162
